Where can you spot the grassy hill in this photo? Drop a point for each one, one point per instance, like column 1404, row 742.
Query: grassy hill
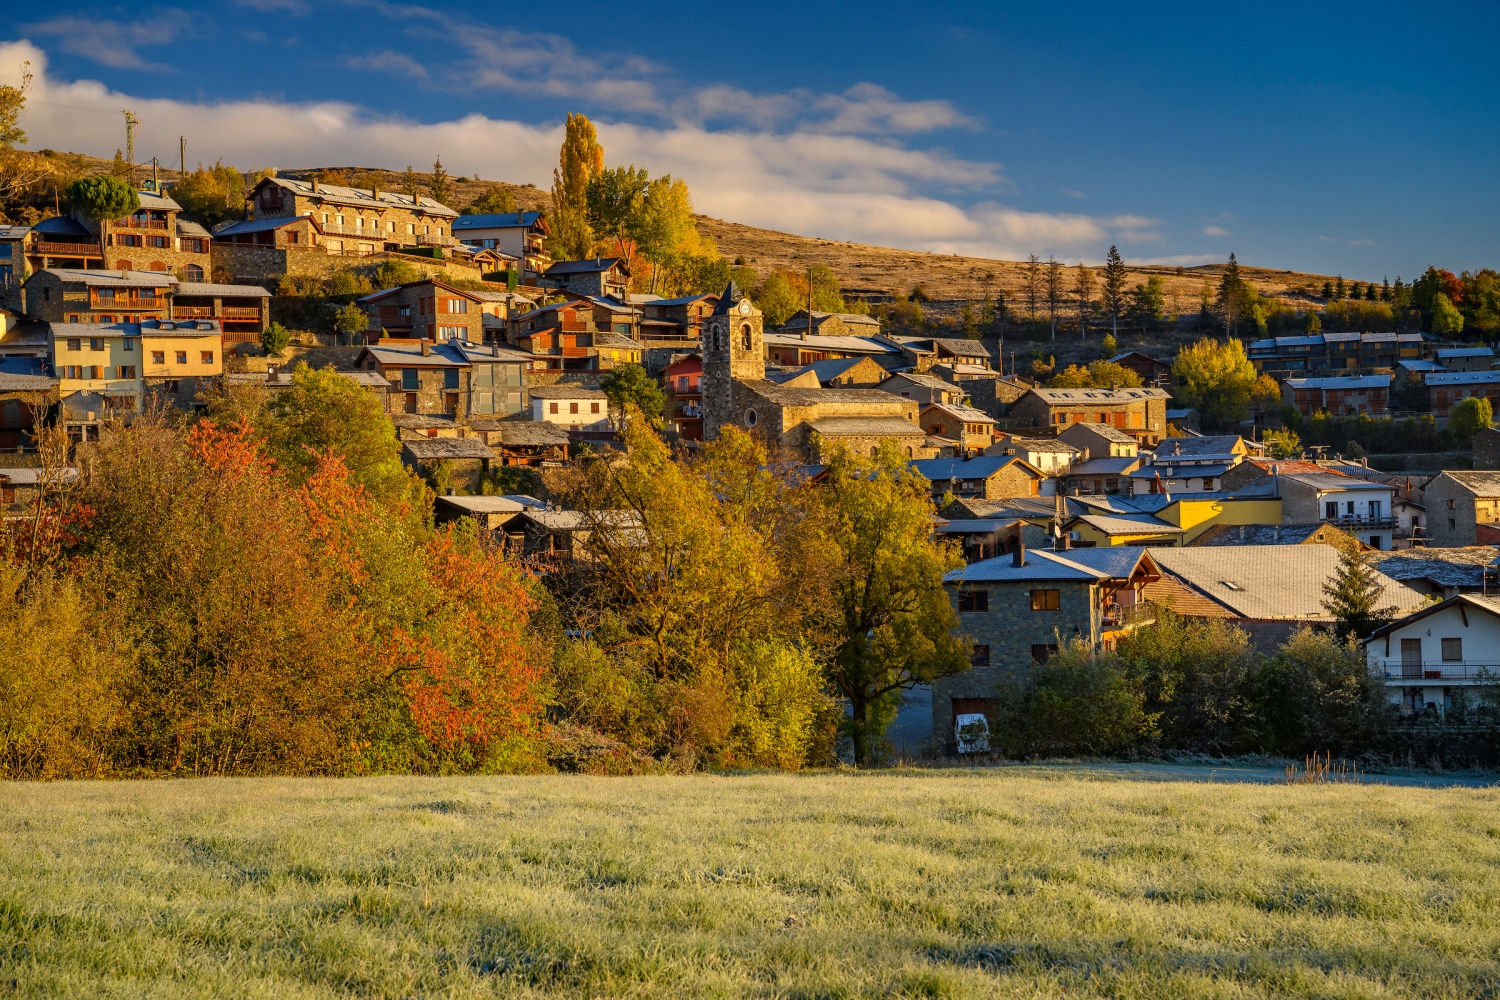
column 1013, row 882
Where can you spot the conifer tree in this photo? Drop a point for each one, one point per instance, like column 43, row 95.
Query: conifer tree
column 1327, row 289
column 1339, row 290
column 1353, row 595
column 440, row 188
column 410, row 185
column 1231, row 291
column 1385, row 290
column 1113, row 291
column 1054, row 283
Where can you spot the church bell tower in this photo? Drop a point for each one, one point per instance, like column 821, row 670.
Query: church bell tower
column 733, row 351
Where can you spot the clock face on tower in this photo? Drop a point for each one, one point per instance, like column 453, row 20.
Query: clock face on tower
column 744, row 307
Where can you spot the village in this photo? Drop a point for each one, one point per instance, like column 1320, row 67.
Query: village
column 1078, row 511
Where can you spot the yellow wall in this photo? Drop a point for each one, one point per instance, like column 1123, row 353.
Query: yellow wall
column 110, row 358
column 1089, row 533
column 169, row 346
column 1199, row 515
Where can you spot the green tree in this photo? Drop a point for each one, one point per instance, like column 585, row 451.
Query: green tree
column 1353, row 596
column 211, row 195
column 1282, row 444
column 629, row 385
column 1265, row 394
column 411, row 185
column 778, row 299
column 894, row 619
column 497, row 200
column 1081, row 701
column 350, row 320
column 1148, row 303
column 579, row 160
column 322, row 411
column 1446, row 319
column 440, row 187
column 1328, row 290
column 103, row 197
column 1318, row 694
column 668, row 237
column 275, row 339
column 1469, row 417
column 1216, row 379
column 1083, row 293
column 1112, row 295
column 1233, row 301
column 12, row 107
column 616, row 201
column 1313, row 326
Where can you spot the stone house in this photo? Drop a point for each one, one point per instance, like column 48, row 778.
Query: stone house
column 1486, row 445
column 424, row 310
column 1101, row 476
column 1153, row 372
column 430, row 378
column 1100, row 441
column 1463, row 508
column 498, row 382
column 847, row 373
column 1362, row 508
column 525, row 442
column 800, row 350
column 521, row 235
column 924, row 353
column 1343, row 396
column 1466, row 359
column 675, row 319
column 1051, row 456
column 925, row 389
column 356, row 220
column 1017, row 610
column 71, row 295
column 557, row 336
column 974, row 430
column 152, row 238
column 571, row 405
column 463, row 462
column 26, row 392
column 1447, row 389
column 599, row 276
column 982, row 477
column 1140, row 413
column 829, row 325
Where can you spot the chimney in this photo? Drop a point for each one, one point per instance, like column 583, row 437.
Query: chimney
column 1062, row 542
column 315, row 183
column 375, row 191
column 1018, row 557
column 495, row 349
column 426, row 348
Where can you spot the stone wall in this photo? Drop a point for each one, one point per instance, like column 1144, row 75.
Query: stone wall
column 1010, row 481
column 144, row 258
column 178, row 393
column 1486, row 445
column 432, row 396
column 1010, row 628
column 1447, row 501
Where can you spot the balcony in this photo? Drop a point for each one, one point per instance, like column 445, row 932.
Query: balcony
column 436, row 241
column 128, row 302
column 240, row 312
column 1443, row 670
column 192, row 312
column 48, row 249
column 363, row 232
column 1363, row 523
column 134, row 223
column 1122, row 616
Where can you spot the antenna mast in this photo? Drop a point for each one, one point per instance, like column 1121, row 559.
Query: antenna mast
column 131, row 121
column 182, row 154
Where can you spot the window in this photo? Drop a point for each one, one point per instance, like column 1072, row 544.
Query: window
column 182, row 357
column 96, row 343
column 456, row 306
column 411, row 380
column 1451, row 504
column 593, row 407
column 979, row 656
column 1330, row 510
column 1452, row 525
column 450, row 378
column 208, row 357
column 572, row 407
column 450, row 403
column 1041, row 652
column 96, row 371
column 159, row 242
column 192, row 272
column 1453, row 650
column 745, row 338
column 1044, row 600
column 75, row 343
column 125, row 371
column 552, row 408
column 1349, row 508
column 158, row 357
column 1374, row 510
column 325, row 218
column 129, row 343
column 973, row 601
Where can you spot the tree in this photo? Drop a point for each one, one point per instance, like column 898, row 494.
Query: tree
column 1148, row 303
column 103, row 197
column 1032, row 284
column 1469, row 417
column 1054, row 288
column 440, row 187
column 1313, row 326
column 579, row 160
column 1446, row 319
column 1232, row 303
column 350, row 320
column 1080, row 701
column 1113, row 291
column 497, row 200
column 1327, row 289
column 777, row 298
column 616, row 202
column 1098, row 375
column 1111, row 345
column 12, row 107
column 411, row 185
column 1265, row 395
column 1216, row 379
column 668, row 237
column 213, row 195
column 1083, row 291
column 1339, row 290
column 1353, row 595
column 1282, row 444
column 275, row 339
column 894, row 619
column 629, row 385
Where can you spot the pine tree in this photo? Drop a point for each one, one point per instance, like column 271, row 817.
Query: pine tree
column 1353, row 594
column 1385, row 290
column 410, row 185
column 580, row 159
column 1231, row 291
column 1327, row 289
column 1083, row 288
column 1339, row 291
column 440, row 188
column 1355, row 291
column 1370, row 293
column 1113, row 292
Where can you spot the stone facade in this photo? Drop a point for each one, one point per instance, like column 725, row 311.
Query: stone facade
column 433, row 379
column 387, row 219
column 596, row 277
column 1486, row 445
column 1459, row 504
column 68, row 295
column 733, row 351
column 424, row 310
column 1141, row 413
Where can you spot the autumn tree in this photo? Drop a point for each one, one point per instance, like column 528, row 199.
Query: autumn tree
column 895, row 622
column 580, row 159
column 1098, row 375
column 1446, row 319
column 1470, row 416
column 12, row 107
column 211, row 195
column 1083, row 292
column 1216, row 379
column 629, row 385
column 1113, row 290
column 1265, row 394
column 496, row 200
column 616, row 201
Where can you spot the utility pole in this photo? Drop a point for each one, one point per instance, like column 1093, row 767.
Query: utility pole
column 182, row 157
column 131, row 121
column 155, row 176
column 809, row 302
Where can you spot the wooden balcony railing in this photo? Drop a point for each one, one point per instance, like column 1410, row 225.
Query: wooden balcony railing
column 129, row 302
column 241, row 312
column 133, row 223
column 67, row 249
column 192, row 312
column 436, row 241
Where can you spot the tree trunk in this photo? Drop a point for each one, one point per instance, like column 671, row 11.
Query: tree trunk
column 859, row 731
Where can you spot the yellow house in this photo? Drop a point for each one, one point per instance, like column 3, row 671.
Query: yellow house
column 180, row 360
column 106, row 369
column 1180, row 522
column 1196, row 516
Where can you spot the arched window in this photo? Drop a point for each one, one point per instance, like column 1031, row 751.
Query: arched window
column 718, row 340
column 192, row 272
column 875, row 452
column 125, row 265
column 745, row 337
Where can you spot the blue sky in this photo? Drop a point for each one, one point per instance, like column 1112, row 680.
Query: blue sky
column 1356, row 139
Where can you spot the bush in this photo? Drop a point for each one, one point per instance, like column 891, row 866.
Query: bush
column 275, row 339
column 1078, row 702
column 1318, row 695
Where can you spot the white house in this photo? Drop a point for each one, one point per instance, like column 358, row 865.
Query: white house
column 1438, row 653
column 573, row 406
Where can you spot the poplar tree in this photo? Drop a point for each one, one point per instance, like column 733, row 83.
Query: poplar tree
column 1032, row 285
column 1113, row 296
column 579, row 160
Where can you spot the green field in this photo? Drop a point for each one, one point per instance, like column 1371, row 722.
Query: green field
column 1014, row 882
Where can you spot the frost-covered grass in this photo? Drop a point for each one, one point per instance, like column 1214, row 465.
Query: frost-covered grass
column 923, row 884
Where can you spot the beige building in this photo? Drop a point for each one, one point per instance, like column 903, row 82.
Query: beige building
column 571, row 405
column 1141, row 413
column 118, row 363
column 152, row 238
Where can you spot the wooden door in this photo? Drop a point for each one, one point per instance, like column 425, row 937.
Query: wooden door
column 1411, row 657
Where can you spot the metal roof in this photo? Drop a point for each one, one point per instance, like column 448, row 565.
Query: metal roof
column 1463, row 378
column 943, row 469
column 497, row 220
column 1342, row 382
column 1102, row 563
column 1466, row 352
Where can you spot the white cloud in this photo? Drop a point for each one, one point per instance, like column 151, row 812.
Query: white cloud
column 389, row 62
column 843, row 187
column 114, row 43
column 1215, row 231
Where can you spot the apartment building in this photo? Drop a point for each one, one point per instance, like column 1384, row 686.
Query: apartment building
column 424, row 310
column 1140, row 413
column 1343, row 396
column 521, row 235
column 1446, row 390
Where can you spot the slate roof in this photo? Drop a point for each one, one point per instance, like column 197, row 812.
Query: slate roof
column 1462, row 378
column 159, row 202
column 17, row 382
column 1210, row 470
column 970, row 526
column 112, row 279
column 1456, row 567
column 861, row 345
column 943, row 469
column 799, row 396
column 1129, row 524
column 339, row 195
column 483, row 505
column 430, row 449
column 1105, row 467
column 62, row 225
column 1485, row 484
column 254, row 225
column 443, row 355
column 962, row 412
column 798, row 321
column 496, row 220
column 1334, row 481
column 930, row 381
column 593, row 265
column 565, row 390
column 1465, row 352
column 221, row 291
column 1109, row 433
column 532, row 434
column 878, row 427
column 1413, row 365
column 1271, row 581
column 830, row 368
column 1040, row 444
column 1262, row 534
column 1197, row 447
column 1111, row 563
column 181, row 328
column 187, row 227
column 1098, row 396
column 477, row 353
column 616, row 340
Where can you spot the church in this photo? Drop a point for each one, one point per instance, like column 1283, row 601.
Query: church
column 796, row 416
